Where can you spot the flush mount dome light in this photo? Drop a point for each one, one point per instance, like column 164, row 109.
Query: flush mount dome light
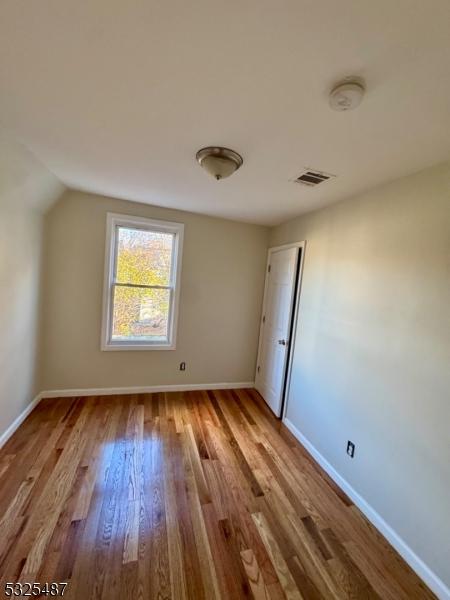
column 219, row 162
column 347, row 95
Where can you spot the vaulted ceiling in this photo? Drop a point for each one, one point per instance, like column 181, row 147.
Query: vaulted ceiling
column 116, row 96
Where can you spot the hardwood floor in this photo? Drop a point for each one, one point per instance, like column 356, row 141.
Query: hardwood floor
column 182, row 495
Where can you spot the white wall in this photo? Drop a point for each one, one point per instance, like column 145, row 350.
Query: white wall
column 372, row 352
column 26, row 190
column 220, row 304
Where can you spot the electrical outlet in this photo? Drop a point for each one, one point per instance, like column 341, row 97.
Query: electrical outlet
column 183, row 366
column 350, row 449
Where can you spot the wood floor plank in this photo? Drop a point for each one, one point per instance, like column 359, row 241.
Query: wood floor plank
column 190, row 555
column 175, row 548
column 244, row 466
column 184, row 495
column 154, row 570
column 207, row 567
column 350, row 579
column 91, row 568
column 135, row 433
column 285, row 576
column 254, row 575
column 305, row 584
column 42, row 522
column 231, row 582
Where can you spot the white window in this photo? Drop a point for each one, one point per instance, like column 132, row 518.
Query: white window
column 142, row 283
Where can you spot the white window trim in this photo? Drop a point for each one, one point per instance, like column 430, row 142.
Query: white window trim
column 113, row 221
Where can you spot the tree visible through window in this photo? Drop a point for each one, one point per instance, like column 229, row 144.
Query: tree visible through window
column 142, row 287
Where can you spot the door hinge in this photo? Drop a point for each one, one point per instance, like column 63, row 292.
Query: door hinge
column 268, row 268
column 259, row 368
column 264, row 319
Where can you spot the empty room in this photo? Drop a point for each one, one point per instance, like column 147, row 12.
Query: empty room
column 225, row 300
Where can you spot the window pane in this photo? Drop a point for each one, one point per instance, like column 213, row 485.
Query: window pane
column 140, row 314
column 143, row 257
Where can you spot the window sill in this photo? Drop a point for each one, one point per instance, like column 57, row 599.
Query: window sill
column 126, row 347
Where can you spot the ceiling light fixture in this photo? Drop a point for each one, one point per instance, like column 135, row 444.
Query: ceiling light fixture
column 219, row 162
column 347, row 94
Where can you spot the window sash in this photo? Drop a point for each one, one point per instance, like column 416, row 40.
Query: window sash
column 137, row 341
column 173, row 258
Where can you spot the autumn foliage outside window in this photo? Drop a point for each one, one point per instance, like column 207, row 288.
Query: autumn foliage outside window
column 142, row 284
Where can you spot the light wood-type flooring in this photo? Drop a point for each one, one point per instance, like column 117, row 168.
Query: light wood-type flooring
column 182, row 495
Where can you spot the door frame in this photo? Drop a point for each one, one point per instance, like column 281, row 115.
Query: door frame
column 294, row 316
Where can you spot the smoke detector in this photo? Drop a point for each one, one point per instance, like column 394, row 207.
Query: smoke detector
column 347, row 95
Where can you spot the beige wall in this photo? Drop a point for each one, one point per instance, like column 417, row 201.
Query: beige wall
column 26, row 189
column 221, row 293
column 372, row 352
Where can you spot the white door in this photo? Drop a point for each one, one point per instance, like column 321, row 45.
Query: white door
column 276, row 325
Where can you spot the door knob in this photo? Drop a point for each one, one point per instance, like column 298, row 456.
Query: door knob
column 282, row 342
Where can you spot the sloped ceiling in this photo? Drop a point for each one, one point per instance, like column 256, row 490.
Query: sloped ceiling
column 24, row 182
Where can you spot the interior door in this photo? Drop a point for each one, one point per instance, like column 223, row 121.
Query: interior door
column 276, row 325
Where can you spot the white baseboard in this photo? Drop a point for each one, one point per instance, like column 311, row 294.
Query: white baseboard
column 416, row 563
column 182, row 387
column 4, row 437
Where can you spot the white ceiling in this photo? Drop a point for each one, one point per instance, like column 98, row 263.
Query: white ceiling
column 116, row 96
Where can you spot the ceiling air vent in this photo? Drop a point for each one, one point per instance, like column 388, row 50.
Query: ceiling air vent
column 312, row 178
